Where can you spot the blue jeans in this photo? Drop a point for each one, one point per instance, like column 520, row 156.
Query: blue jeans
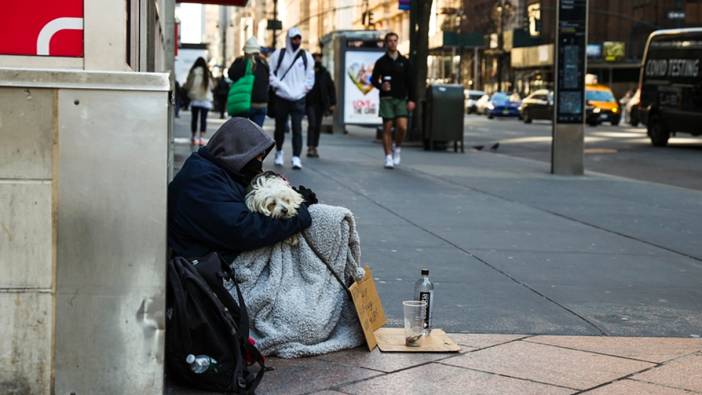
column 258, row 116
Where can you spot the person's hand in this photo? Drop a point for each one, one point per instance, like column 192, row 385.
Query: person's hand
column 331, row 110
column 410, row 106
column 309, row 197
column 386, row 87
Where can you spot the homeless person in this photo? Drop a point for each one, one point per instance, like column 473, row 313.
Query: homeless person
column 206, row 209
column 295, row 303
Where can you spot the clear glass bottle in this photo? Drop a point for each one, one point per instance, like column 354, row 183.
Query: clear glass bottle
column 201, row 363
column 424, row 290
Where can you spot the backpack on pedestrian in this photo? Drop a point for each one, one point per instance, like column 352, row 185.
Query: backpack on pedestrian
column 207, row 331
column 271, row 91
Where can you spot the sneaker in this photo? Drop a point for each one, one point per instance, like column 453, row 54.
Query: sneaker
column 202, row 141
column 396, row 156
column 279, row 159
column 388, row 162
column 296, row 163
column 195, row 141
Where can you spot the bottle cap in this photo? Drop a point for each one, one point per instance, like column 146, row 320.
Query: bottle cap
column 425, row 272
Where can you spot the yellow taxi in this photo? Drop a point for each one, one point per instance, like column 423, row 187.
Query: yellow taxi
column 601, row 105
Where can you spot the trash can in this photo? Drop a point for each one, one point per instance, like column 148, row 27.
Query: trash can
column 443, row 116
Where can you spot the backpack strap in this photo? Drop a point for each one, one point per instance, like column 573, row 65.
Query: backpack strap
column 300, row 53
column 281, row 55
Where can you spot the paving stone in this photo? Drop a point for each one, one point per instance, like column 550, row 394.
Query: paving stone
column 298, row 376
column 653, row 349
column 441, row 379
column 681, row 373
column 628, row 387
column 383, row 361
column 548, row 364
column 477, row 340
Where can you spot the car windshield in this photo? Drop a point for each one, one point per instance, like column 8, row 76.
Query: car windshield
column 499, row 98
column 599, row 96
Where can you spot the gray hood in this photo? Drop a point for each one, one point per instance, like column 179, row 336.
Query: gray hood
column 237, row 142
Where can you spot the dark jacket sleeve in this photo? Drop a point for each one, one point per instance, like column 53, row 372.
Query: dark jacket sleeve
column 216, row 212
column 236, row 70
column 331, row 90
column 377, row 74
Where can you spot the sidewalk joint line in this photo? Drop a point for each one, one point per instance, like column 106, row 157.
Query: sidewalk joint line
column 657, row 365
column 481, row 260
column 591, row 352
column 511, row 377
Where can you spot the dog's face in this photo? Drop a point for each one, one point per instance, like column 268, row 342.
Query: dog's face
column 271, row 195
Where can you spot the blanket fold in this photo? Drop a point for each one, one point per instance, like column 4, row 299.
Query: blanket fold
column 296, row 306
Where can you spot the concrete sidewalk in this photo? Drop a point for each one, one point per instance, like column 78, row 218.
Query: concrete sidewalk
column 512, row 250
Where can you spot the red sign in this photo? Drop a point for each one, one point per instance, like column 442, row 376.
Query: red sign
column 42, row 27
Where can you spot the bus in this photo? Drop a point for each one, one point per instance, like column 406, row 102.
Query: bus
column 671, row 84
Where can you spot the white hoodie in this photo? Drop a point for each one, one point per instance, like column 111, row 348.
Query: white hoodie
column 298, row 81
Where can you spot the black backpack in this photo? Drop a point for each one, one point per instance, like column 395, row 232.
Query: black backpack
column 203, row 319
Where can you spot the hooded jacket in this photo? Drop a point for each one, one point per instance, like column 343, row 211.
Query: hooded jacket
column 299, row 80
column 206, row 206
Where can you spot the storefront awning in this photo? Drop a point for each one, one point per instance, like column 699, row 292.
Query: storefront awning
column 235, row 3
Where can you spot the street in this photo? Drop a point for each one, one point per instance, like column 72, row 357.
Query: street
column 616, row 150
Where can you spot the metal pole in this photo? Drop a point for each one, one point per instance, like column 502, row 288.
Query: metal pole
column 275, row 18
column 570, row 66
column 476, row 68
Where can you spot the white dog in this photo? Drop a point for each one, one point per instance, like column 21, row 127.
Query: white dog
column 270, row 194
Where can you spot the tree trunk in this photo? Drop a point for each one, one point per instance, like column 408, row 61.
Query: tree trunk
column 419, row 48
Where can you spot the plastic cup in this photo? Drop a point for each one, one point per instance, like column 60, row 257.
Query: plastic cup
column 415, row 311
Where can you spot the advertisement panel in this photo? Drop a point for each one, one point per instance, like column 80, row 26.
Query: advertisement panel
column 361, row 100
column 42, row 27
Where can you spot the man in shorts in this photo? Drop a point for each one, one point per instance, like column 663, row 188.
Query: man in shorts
column 393, row 77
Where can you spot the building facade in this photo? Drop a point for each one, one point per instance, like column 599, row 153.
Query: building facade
column 617, row 34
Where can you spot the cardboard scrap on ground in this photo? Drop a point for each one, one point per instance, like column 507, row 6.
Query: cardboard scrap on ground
column 393, row 340
column 368, row 307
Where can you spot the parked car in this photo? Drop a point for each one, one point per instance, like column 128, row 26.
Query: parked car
column 472, row 98
column 631, row 109
column 503, row 105
column 601, row 106
column 482, row 104
column 538, row 105
column 671, row 84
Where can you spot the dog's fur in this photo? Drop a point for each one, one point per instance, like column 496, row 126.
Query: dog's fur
column 270, row 194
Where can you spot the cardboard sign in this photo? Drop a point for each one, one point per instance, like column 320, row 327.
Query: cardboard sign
column 368, row 307
column 393, row 340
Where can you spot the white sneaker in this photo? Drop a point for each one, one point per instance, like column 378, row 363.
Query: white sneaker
column 279, row 159
column 296, row 163
column 388, row 162
column 396, row 156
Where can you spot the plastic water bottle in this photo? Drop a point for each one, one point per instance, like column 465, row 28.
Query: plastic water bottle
column 201, row 363
column 424, row 290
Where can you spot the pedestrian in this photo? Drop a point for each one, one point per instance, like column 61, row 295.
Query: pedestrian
column 199, row 87
column 250, row 98
column 292, row 78
column 393, row 77
column 220, row 95
column 320, row 100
